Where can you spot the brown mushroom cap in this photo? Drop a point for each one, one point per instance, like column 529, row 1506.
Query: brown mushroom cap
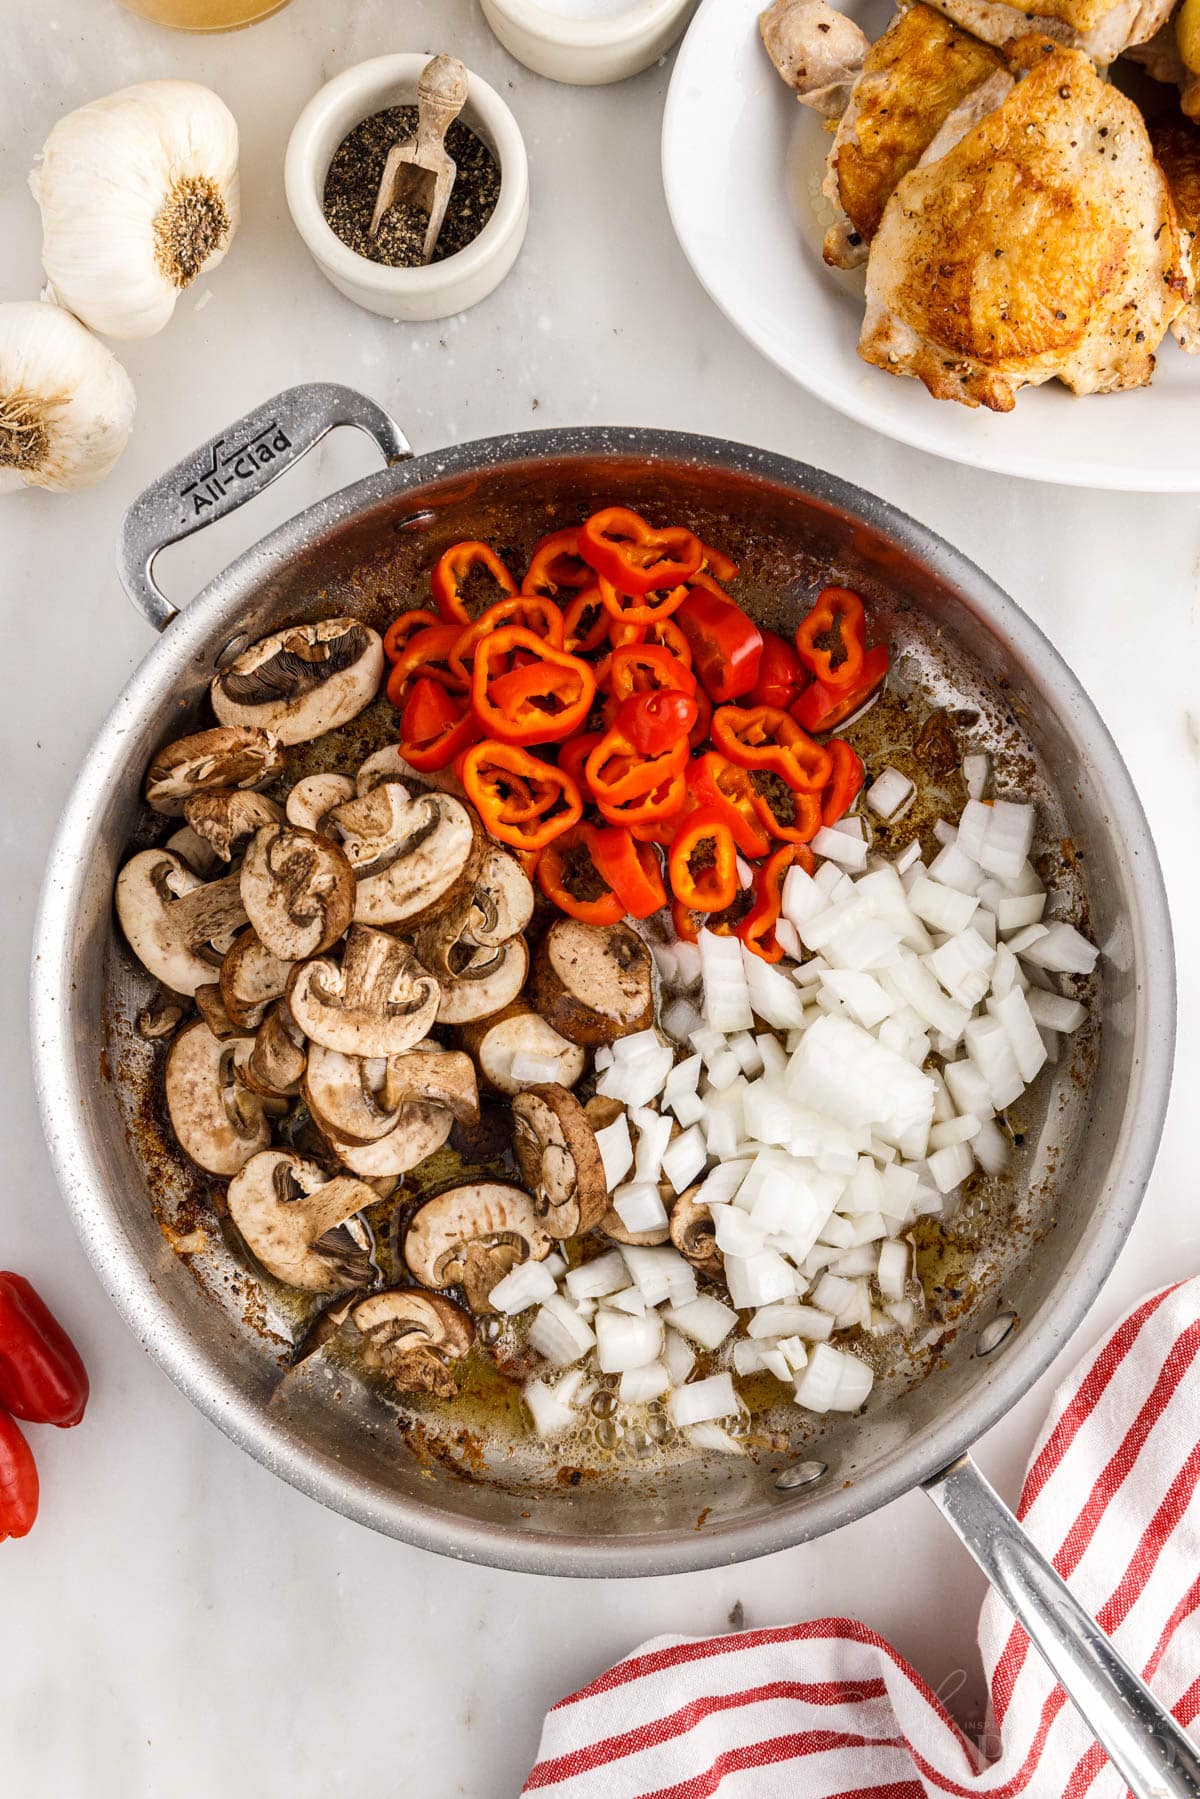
column 413, row 857
column 345, row 1096
column 560, row 1163
column 302, row 681
column 444, row 1077
column 490, row 980
column 227, row 816
column 191, row 849
column 611, row 1226
column 220, row 1125
column 501, row 904
column 295, row 1221
column 473, row 1235
column 211, row 1008
column 410, row 1336
column 694, row 1234
column 298, row 891
column 178, row 926
column 379, row 1002
column 251, row 980
column 419, row 1131
column 517, row 1031
column 229, row 756
column 593, row 983
column 275, row 1066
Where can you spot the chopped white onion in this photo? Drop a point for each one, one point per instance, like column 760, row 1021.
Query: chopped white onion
column 638, row 1386
column 975, row 773
column 550, row 1415
column 603, row 1274
column 889, row 792
column 654, row 1133
column 726, row 997
column 559, row 1333
column 1055, row 1011
column 1061, row 950
column 835, row 846
column 706, row 1320
column 713, row 1437
column 892, row 1273
column 701, row 1400
column 833, row 1381
column 624, row 1342
column 685, row 1158
column 616, row 1151
column 521, row 1288
column 639, row 1206
column 679, row 1356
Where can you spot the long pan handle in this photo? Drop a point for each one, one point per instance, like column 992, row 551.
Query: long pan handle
column 1143, row 1742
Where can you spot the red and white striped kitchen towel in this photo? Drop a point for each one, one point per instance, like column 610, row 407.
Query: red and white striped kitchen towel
column 828, row 1710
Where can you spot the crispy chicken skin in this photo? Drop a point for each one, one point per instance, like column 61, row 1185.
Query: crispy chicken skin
column 1177, row 147
column 1101, row 28
column 817, row 50
column 1043, row 245
column 913, row 78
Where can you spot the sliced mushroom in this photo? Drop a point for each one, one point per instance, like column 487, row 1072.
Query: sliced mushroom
column 227, row 816
column 444, row 1077
column 472, row 1236
column 252, row 978
column 490, row 981
column 556, row 1151
column 178, row 926
column 312, row 799
column 200, row 857
column 211, row 1008
column 515, row 1037
column 379, row 1002
column 228, row 756
column 593, row 982
column 611, row 1226
column 694, row 1234
column 302, row 682
column 412, row 858
column 219, row 1124
column 602, row 1111
column 345, row 1096
column 442, row 780
column 161, row 1016
column 275, row 1066
column 502, row 902
column 383, row 765
column 410, row 1336
column 298, row 891
column 420, row 1131
column 295, row 1221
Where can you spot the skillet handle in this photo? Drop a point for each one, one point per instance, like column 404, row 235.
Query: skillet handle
column 1141, row 1739
column 232, row 468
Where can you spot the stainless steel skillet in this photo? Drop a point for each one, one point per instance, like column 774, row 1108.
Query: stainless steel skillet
column 1021, row 1290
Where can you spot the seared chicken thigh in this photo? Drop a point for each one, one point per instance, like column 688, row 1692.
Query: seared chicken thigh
column 818, row 51
column 1043, row 245
column 1178, row 150
column 1102, row 29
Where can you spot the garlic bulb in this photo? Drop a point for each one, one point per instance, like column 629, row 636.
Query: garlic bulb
column 139, row 195
column 66, row 404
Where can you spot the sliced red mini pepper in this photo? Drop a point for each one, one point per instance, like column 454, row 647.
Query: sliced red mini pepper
column 763, row 737
column 633, row 557
column 685, row 922
column 572, row 757
column 757, row 929
column 704, row 710
column 428, row 653
column 557, row 565
column 454, row 569
column 42, row 1377
column 630, row 868
column 435, row 725
column 646, row 668
column 716, row 563
column 523, row 690
column 18, row 1482
column 641, row 609
column 703, row 861
column 726, row 645
column 401, row 631
column 521, row 800
column 823, row 708
column 654, row 722
column 713, row 780
column 789, row 814
column 529, row 610
column 585, row 623
column 831, row 641
column 782, row 677
column 568, row 875
column 633, row 788
column 845, row 783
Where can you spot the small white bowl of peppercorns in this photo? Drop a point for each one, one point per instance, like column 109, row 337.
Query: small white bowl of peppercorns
column 335, row 161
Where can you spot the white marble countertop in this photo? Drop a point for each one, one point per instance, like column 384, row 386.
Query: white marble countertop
column 181, row 1622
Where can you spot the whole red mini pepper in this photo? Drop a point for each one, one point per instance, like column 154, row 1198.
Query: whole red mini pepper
column 782, row 677
column 654, row 722
column 18, row 1482
column 726, row 645
column 42, row 1378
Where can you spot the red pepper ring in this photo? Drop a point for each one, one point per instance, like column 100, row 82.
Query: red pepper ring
column 715, row 781
column 659, row 721
column 585, row 622
column 450, row 574
column 42, row 1377
column 573, row 754
column 837, row 617
column 570, row 877
column 18, row 1482
column 529, row 610
column 435, row 725
column 555, row 564
column 523, row 690
column 716, row 563
column 711, row 884
column 521, row 800
column 402, row 630
column 757, row 929
column 645, row 668
column 633, row 557
column 428, row 653
column 632, row 788
column 630, row 868
column 790, row 814
column 823, row 708
column 763, row 737
column 640, row 609
column 726, row 645
column 845, row 784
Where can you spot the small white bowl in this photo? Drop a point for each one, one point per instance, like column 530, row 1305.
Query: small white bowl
column 440, row 288
column 587, row 52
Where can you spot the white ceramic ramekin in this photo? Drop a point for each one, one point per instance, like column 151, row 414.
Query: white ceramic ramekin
column 441, row 288
column 587, row 52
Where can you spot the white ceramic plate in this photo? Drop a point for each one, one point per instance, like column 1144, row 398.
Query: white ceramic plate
column 742, row 166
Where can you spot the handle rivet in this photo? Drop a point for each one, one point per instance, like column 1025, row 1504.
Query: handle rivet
column 415, row 521
column 995, row 1332
column 803, row 1474
column 228, row 652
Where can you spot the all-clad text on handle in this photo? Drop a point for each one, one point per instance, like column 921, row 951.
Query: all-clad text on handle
column 232, row 468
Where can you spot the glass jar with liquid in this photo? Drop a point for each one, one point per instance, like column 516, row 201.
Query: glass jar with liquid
column 205, row 15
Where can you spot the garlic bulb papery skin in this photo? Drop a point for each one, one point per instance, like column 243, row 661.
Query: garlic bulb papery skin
column 66, row 404
column 139, row 195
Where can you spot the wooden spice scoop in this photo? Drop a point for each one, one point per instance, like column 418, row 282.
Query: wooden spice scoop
column 419, row 173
